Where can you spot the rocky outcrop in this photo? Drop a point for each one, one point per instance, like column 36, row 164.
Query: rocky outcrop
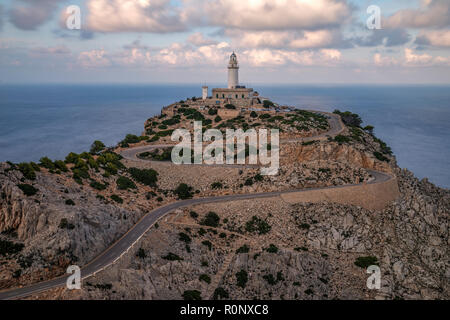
column 53, row 232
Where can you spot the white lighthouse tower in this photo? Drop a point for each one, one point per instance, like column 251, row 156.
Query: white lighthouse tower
column 233, row 72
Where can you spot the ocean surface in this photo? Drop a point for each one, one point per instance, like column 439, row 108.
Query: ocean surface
column 53, row 120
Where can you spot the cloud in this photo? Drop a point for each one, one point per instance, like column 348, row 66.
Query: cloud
column 1, row 17
column 156, row 16
column 277, row 58
column 384, row 37
column 381, row 61
column 284, row 39
column 30, row 14
column 412, row 59
column 436, row 38
column 94, row 59
column 197, row 39
column 58, row 50
column 269, row 14
column 434, row 13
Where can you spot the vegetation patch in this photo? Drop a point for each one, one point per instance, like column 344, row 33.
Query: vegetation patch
column 241, row 278
column 28, row 189
column 365, row 262
column 148, row 177
column 9, row 248
column 124, row 183
column 172, row 257
column 183, row 191
column 211, row 220
column 257, row 225
column 192, row 295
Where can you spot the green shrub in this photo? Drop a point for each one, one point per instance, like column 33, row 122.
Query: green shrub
column 8, row 247
column 272, row 248
column 183, row 191
column 131, row 138
column 45, row 162
column 230, row 106
column 243, row 249
column 208, row 244
column 380, row 157
column 28, row 189
column 124, row 183
column 257, row 225
column 191, row 295
column 184, row 237
column 28, row 170
column 349, row 118
column 61, row 165
column 342, row 139
column 116, row 198
column 98, row 186
column 193, row 214
column 268, row 104
column 217, row 119
column 97, row 146
column 220, row 293
column 72, row 158
column 172, row 257
column 64, row 224
column 141, row 253
column 253, row 114
column 241, row 278
column 217, row 185
column 205, row 278
column 365, row 262
column 270, row 279
column 212, row 112
column 211, row 220
column 148, row 177
column 70, row 202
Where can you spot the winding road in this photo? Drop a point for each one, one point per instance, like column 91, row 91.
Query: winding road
column 127, row 241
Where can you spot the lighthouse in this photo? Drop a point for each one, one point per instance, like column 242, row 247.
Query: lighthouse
column 233, row 72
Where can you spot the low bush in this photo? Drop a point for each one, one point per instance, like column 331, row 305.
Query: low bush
column 64, row 224
column 257, row 225
column 241, row 278
column 28, row 189
column 217, row 185
column 365, row 262
column 243, row 249
column 205, row 278
column 192, row 295
column 272, row 248
column 98, row 186
column 148, row 177
column 184, row 237
column 70, row 202
column 97, row 146
column 8, row 247
column 124, row 183
column 211, row 220
column 208, row 244
column 183, row 191
column 28, row 170
column 116, row 198
column 220, row 293
column 172, row 257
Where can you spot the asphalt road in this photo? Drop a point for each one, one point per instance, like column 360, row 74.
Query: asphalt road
column 127, row 241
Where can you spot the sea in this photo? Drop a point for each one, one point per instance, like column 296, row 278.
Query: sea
column 53, row 120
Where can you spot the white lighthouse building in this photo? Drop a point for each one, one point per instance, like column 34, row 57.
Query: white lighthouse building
column 235, row 94
column 233, row 72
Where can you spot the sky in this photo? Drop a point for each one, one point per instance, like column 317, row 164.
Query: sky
column 190, row 41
